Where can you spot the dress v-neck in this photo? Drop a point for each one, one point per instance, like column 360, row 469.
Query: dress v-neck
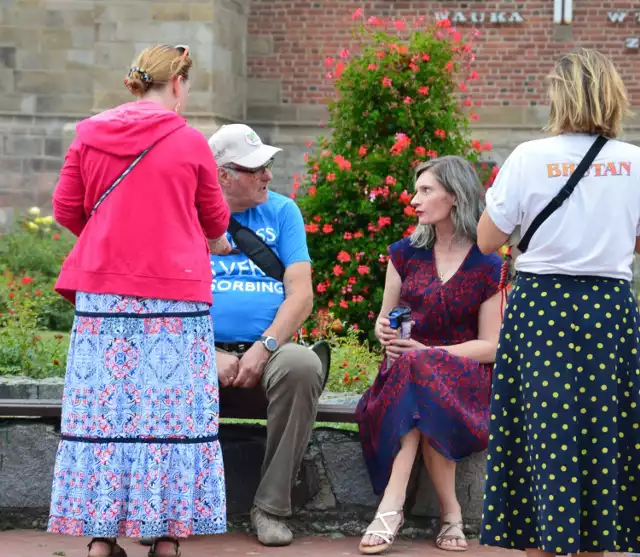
column 435, row 266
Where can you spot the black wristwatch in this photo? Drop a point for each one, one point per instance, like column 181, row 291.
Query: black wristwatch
column 270, row 343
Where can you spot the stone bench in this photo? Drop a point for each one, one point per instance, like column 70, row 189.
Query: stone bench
column 332, row 494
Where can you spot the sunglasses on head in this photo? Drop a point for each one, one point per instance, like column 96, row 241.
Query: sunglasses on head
column 184, row 50
column 266, row 166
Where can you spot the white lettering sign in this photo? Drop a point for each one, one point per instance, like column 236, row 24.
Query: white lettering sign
column 496, row 18
column 621, row 17
column 632, row 42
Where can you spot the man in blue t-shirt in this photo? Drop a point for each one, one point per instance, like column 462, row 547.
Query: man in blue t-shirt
column 255, row 317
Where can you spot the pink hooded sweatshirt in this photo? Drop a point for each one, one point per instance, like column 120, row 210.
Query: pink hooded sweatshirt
column 148, row 237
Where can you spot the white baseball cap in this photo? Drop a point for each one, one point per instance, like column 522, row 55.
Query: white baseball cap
column 240, row 145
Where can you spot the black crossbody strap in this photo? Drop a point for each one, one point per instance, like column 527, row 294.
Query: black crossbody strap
column 273, row 268
column 124, row 174
column 564, row 193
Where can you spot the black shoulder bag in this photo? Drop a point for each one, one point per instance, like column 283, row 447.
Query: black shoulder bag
column 564, row 193
column 264, row 257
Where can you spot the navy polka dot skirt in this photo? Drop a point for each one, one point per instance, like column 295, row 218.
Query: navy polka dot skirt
column 563, row 469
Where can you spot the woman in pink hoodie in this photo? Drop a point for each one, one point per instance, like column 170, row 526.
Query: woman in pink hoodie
column 139, row 452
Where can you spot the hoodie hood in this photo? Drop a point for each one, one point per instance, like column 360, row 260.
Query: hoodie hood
column 128, row 129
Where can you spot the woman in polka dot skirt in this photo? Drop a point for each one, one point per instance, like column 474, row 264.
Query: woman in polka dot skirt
column 563, row 471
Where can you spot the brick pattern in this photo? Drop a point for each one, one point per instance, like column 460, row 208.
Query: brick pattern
column 290, row 39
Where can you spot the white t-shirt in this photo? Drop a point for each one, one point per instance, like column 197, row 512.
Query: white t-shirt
column 595, row 229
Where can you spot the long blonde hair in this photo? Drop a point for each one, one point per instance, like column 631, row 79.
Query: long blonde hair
column 587, row 95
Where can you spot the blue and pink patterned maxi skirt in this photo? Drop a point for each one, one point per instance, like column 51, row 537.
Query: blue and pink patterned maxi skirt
column 139, row 452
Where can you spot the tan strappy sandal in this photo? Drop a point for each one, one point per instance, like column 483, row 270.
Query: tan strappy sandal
column 388, row 535
column 444, row 535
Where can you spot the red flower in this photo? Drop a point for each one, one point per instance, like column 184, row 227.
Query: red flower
column 410, row 230
column 456, row 36
column 348, row 235
column 380, row 54
column 474, row 117
column 321, row 288
column 343, row 304
column 56, row 236
column 328, row 61
column 358, row 234
column 327, row 228
column 317, row 218
column 386, row 82
column 342, row 163
column 424, row 90
column 362, row 151
column 444, row 23
column 372, row 67
column 309, row 143
column 463, row 86
column 401, row 144
column 343, row 257
column 311, row 228
column 339, row 69
column 352, row 280
column 426, row 57
column 363, row 270
column 440, row 133
column 338, row 271
column 384, row 221
column 390, row 180
column 420, row 151
column 449, row 66
column 38, row 293
column 410, row 211
column 488, row 146
column 355, row 15
column 407, row 100
column 344, row 53
column 473, row 76
column 400, row 25
column 312, row 191
column 26, row 280
column 405, row 197
column 414, row 67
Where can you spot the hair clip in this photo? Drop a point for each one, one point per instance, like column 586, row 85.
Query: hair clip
column 143, row 75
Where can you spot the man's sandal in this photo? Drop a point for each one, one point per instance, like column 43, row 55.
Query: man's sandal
column 176, row 547
column 114, row 549
column 388, row 535
column 444, row 535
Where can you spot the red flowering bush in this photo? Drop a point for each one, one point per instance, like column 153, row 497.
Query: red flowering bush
column 26, row 348
column 402, row 98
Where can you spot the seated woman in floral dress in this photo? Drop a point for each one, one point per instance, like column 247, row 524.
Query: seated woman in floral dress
column 435, row 395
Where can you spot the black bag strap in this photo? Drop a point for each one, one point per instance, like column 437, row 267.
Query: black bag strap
column 564, row 193
column 124, row 174
column 275, row 269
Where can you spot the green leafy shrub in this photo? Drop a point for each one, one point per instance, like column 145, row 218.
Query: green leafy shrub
column 24, row 348
column 36, row 249
column 402, row 98
column 354, row 365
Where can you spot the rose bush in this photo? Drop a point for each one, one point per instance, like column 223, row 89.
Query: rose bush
column 402, row 97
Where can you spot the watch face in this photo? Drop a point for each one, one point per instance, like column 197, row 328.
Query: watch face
column 271, row 344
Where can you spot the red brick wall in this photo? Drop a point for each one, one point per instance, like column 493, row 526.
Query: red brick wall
column 512, row 60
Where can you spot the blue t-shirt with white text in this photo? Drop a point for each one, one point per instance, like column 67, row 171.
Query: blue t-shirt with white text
column 245, row 300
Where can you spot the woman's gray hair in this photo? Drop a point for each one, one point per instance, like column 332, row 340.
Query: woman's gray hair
column 458, row 176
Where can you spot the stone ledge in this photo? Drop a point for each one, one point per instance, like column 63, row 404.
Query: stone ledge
column 332, row 494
